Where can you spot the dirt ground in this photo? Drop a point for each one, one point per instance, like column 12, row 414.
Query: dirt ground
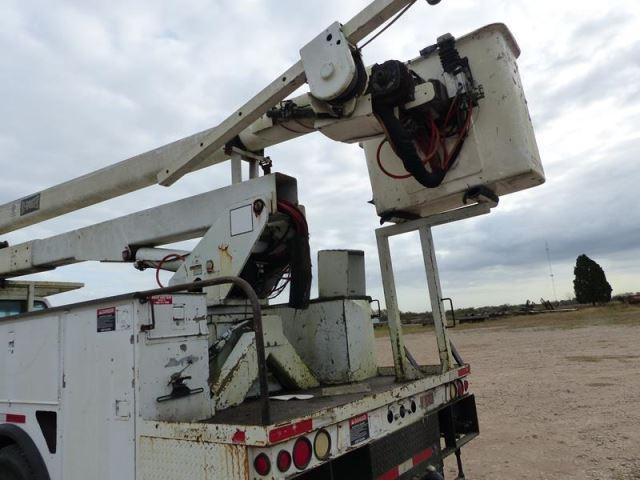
column 558, row 395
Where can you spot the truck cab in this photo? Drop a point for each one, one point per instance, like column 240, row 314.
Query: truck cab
column 17, row 297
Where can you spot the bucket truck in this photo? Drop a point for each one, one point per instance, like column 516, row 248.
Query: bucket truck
column 206, row 378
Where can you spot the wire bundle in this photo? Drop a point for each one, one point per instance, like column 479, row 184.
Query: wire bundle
column 433, row 146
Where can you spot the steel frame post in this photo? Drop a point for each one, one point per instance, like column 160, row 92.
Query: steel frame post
column 31, row 296
column 253, row 169
column 435, row 296
column 403, row 368
column 236, row 168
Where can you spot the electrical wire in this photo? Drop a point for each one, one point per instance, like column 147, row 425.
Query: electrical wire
column 432, row 149
column 438, row 140
column 296, row 215
column 171, row 256
column 448, row 116
column 394, row 20
column 291, row 129
column 384, row 170
column 449, row 159
column 310, row 129
column 279, row 287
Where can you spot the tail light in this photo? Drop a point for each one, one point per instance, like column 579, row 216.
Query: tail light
column 453, row 391
column 262, row 464
column 302, row 452
column 322, row 445
column 284, row 461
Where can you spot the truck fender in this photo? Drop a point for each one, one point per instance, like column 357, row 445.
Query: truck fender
column 13, row 435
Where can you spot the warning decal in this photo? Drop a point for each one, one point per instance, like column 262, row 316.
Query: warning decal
column 106, row 319
column 359, row 429
column 162, row 300
column 30, row 204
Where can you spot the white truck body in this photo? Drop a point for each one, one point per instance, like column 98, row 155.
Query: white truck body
column 94, row 368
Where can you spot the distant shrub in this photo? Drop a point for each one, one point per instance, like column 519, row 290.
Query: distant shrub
column 590, row 283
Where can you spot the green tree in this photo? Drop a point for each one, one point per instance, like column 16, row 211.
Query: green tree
column 590, row 283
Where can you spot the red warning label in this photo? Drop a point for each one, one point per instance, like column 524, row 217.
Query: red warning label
column 359, row 429
column 106, row 319
column 162, row 300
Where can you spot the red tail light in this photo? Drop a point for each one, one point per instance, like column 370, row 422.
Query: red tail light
column 284, row 460
column 302, row 452
column 262, row 464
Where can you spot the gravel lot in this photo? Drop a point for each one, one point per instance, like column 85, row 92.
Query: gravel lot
column 558, row 395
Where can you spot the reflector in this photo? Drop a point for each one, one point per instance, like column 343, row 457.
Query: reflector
column 302, row 453
column 284, row 460
column 262, row 464
column 322, row 445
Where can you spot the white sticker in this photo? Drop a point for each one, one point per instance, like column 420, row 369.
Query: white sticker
column 123, row 318
column 286, row 398
column 241, row 219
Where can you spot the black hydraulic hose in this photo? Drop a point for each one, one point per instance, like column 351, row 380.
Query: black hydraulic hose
column 403, row 146
column 257, row 325
column 456, row 355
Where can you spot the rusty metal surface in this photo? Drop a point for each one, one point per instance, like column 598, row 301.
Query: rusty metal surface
column 241, row 425
column 338, row 329
column 249, row 412
column 170, row 459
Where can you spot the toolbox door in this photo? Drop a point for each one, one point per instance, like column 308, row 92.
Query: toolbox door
column 98, row 394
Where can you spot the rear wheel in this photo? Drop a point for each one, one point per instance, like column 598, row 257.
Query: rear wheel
column 13, row 464
column 433, row 475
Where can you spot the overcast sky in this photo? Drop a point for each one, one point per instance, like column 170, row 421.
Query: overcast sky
column 85, row 84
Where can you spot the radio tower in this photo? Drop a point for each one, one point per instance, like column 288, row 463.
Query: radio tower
column 553, row 282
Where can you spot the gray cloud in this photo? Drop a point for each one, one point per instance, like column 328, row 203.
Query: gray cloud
column 91, row 83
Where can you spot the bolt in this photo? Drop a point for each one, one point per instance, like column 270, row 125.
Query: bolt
column 127, row 254
column 327, row 71
column 258, row 206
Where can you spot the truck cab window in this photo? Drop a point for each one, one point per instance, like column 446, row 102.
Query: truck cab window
column 39, row 305
column 16, row 307
column 11, row 307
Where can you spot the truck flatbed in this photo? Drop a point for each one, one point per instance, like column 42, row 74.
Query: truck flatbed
column 284, row 411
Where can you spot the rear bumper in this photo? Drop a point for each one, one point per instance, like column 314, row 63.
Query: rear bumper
column 410, row 451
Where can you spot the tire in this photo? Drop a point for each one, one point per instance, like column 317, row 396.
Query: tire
column 13, row 464
column 433, row 476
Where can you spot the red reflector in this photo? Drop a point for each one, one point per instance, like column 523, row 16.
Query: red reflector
column 288, row 431
column 284, row 460
column 13, row 418
column 302, row 453
column 262, row 464
column 422, row 456
column 392, row 474
column 239, row 437
column 464, row 371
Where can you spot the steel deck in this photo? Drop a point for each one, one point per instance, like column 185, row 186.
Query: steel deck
column 282, row 411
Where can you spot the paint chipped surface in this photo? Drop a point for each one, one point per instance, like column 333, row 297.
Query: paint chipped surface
column 168, row 459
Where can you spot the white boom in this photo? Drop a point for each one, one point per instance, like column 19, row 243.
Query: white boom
column 168, row 163
column 109, row 241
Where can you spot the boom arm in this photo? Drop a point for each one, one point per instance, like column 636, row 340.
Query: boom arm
column 167, row 164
